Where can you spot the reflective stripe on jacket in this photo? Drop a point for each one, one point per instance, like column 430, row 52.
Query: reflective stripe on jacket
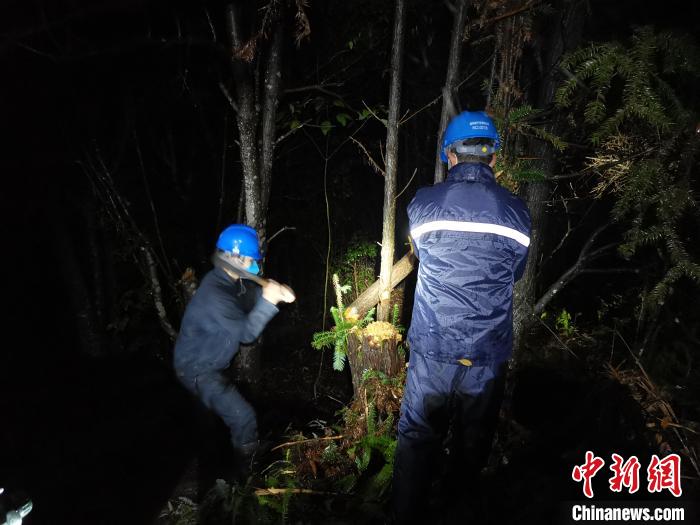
column 471, row 236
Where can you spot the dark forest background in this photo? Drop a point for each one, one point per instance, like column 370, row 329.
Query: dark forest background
column 126, row 149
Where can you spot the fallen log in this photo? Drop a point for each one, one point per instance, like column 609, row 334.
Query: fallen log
column 370, row 297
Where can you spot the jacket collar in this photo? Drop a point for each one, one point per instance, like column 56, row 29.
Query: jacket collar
column 471, row 172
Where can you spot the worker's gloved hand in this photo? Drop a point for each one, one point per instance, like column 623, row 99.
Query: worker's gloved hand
column 275, row 292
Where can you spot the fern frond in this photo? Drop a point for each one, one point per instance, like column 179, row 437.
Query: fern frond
column 371, row 419
column 338, row 359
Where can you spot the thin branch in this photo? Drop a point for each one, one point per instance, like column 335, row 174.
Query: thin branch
column 211, row 25
column 291, row 131
column 600, row 251
column 157, row 294
column 586, row 247
column 437, row 99
column 280, row 492
column 317, row 87
column 585, row 255
column 415, row 170
column 371, row 111
column 372, row 162
column 151, row 203
column 509, row 14
column 610, row 270
column 558, row 339
column 569, row 231
column 280, row 231
column 302, row 441
column 222, row 186
column 226, row 93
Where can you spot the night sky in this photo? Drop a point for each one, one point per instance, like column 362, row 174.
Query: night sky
column 138, row 85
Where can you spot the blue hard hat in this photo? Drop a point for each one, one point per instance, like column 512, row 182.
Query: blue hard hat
column 240, row 239
column 469, row 125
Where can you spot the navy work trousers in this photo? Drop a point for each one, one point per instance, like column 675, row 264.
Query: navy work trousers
column 442, row 398
column 221, row 396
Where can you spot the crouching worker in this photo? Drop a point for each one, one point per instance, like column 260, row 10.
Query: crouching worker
column 227, row 310
column 471, row 236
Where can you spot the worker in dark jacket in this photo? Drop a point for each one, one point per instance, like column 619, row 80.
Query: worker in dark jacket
column 225, row 312
column 471, row 236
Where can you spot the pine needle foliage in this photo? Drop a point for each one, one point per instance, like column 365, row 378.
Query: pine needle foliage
column 521, row 122
column 644, row 71
column 633, row 100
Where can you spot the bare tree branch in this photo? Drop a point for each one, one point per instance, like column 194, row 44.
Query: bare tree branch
column 322, row 88
column 372, row 162
column 415, row 170
column 291, row 132
column 585, row 256
column 211, row 25
column 157, row 294
column 285, row 228
column 226, row 93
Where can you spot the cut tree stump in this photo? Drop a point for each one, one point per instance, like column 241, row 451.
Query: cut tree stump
column 374, row 348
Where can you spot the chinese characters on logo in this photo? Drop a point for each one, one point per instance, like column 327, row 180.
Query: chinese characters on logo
column 661, row 474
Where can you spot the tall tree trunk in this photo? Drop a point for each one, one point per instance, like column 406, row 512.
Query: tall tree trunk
column 448, row 90
column 271, row 89
column 257, row 133
column 392, row 154
column 247, row 120
column 550, row 47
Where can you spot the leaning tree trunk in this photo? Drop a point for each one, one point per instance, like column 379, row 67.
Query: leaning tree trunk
column 370, row 297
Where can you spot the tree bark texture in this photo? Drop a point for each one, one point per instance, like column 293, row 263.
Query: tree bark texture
column 363, row 356
column 271, row 89
column 255, row 116
column 247, row 119
column 392, row 157
column 566, row 36
column 448, row 91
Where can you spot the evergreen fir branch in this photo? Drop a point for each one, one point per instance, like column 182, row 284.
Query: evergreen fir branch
column 595, row 110
column 647, row 134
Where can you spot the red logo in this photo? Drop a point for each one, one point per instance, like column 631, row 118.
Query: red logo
column 586, row 472
column 665, row 474
column 625, row 474
column 661, row 474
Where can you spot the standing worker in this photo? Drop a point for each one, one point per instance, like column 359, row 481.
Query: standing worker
column 226, row 311
column 471, row 236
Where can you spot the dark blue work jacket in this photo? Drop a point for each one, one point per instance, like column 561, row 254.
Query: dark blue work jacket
column 471, row 236
column 222, row 314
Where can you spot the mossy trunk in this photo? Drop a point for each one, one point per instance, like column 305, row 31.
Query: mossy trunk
column 374, row 348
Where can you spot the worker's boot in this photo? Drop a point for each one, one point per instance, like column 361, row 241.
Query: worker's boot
column 244, row 456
